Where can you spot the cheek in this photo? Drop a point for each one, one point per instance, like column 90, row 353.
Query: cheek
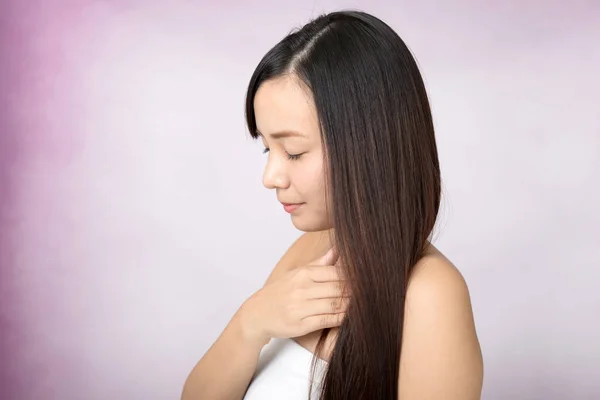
column 313, row 180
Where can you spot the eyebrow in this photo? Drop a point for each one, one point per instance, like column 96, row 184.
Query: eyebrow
column 283, row 134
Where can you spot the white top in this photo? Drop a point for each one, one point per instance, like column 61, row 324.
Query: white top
column 283, row 372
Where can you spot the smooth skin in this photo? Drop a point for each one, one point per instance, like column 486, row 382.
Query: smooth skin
column 441, row 356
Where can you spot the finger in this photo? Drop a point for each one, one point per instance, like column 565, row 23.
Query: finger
column 317, row 322
column 324, row 290
column 327, row 306
column 328, row 258
column 324, row 273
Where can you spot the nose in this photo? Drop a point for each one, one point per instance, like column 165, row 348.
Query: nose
column 275, row 176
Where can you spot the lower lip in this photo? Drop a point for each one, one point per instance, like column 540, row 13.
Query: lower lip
column 291, row 207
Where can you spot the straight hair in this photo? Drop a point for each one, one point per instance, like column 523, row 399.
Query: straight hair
column 382, row 176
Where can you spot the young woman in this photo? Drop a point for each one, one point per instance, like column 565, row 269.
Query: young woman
column 362, row 306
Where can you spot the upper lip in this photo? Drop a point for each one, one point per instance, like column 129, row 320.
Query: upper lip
column 289, row 204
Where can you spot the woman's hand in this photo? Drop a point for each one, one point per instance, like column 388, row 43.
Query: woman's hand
column 303, row 300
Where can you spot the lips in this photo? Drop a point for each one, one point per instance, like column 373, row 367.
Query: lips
column 291, row 207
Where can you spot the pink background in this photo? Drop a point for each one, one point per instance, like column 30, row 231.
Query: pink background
column 134, row 223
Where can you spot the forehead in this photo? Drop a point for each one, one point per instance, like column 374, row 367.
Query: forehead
column 281, row 104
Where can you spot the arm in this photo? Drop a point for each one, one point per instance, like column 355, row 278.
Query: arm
column 226, row 369
column 441, row 357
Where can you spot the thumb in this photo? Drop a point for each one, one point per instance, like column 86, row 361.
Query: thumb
column 328, row 258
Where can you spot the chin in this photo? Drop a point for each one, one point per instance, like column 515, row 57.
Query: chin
column 305, row 224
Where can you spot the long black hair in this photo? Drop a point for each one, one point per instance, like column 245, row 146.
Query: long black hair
column 382, row 174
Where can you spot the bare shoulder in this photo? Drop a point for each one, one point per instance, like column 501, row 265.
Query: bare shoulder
column 307, row 247
column 435, row 276
column 441, row 356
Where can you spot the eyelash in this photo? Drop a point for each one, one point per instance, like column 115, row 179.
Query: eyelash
column 292, row 157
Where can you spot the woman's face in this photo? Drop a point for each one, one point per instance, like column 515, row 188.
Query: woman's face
column 286, row 119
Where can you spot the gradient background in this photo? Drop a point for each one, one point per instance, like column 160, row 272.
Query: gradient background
column 134, row 222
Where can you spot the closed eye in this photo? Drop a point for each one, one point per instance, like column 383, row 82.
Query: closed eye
column 289, row 156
